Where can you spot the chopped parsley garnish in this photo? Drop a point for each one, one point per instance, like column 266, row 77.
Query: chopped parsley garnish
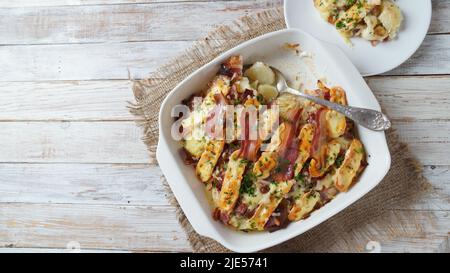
column 339, row 161
column 300, row 178
column 282, row 165
column 244, row 161
column 260, row 98
column 351, row 2
column 360, row 4
column 340, row 25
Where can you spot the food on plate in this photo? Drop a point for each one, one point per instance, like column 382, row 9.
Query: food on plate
column 374, row 20
column 308, row 155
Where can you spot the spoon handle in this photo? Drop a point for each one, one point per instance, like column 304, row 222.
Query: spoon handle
column 368, row 118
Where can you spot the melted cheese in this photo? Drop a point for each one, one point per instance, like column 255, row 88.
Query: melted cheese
column 336, row 124
column 208, row 159
column 327, row 181
column 391, row 17
column 269, row 203
column 331, row 151
column 349, row 19
column 304, row 205
column 268, row 159
column 231, row 182
column 195, row 147
column 373, row 20
column 197, row 118
column 337, row 95
column 350, row 166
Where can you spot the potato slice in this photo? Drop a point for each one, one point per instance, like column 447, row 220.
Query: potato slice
column 331, row 151
column 231, row 182
column 268, row 159
column 260, row 72
column 350, row 166
column 336, row 124
column 208, row 159
column 303, row 206
column 269, row 92
column 244, row 84
column 306, row 137
column 195, row 147
column 337, row 95
column 269, row 203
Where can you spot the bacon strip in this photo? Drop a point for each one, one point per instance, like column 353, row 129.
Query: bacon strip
column 320, row 134
column 289, row 148
column 249, row 148
column 216, row 117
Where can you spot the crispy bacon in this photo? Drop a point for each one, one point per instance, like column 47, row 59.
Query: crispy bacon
column 320, row 134
column 278, row 219
column 249, row 148
column 232, row 67
column 241, row 209
column 187, row 157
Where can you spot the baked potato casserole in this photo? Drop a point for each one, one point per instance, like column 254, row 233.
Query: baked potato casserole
column 373, row 20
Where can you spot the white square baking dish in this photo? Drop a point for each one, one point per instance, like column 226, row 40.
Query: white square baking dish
column 321, row 60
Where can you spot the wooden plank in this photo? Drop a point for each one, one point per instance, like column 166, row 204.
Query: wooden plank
column 137, row 184
column 440, row 20
column 85, row 61
column 13, row 249
column 118, row 23
column 78, row 142
column 413, row 98
column 116, row 60
column 123, row 184
column 428, row 140
column 136, row 228
column 408, row 231
column 403, row 98
column 77, row 21
column 59, row 3
column 433, row 57
column 155, row 228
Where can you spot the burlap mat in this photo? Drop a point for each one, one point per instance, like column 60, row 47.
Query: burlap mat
column 351, row 229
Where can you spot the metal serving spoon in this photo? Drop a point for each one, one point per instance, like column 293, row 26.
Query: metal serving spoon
column 368, row 118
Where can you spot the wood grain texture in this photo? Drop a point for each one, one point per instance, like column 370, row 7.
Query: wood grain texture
column 52, row 3
column 75, row 142
column 137, row 184
column 120, row 23
column 137, row 228
column 119, row 184
column 73, row 167
column 78, row 142
column 90, row 21
column 139, row 59
column 85, row 61
column 12, row 249
column 66, row 100
column 403, row 98
column 147, row 228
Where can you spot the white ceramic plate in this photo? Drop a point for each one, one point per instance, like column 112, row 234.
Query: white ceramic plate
column 369, row 60
column 326, row 60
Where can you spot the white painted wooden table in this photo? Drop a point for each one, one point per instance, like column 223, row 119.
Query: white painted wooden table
column 72, row 165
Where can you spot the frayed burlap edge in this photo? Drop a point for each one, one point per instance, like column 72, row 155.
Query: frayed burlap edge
column 149, row 93
column 349, row 230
